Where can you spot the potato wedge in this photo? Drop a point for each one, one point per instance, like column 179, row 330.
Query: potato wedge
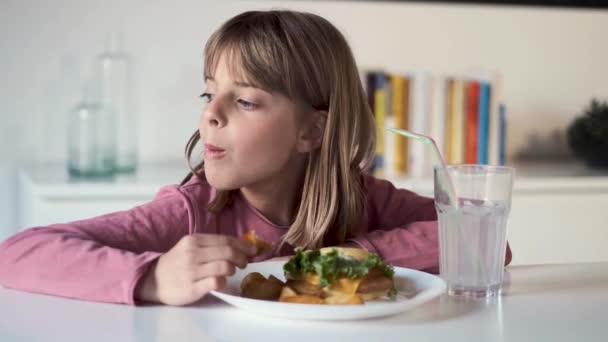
column 256, row 286
column 287, row 292
column 344, row 299
column 305, row 288
column 302, row 299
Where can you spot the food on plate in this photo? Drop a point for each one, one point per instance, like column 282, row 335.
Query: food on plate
column 340, row 275
column 288, row 295
column 260, row 245
column 333, row 275
column 256, row 286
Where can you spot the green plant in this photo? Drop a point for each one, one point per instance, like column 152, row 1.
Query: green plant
column 588, row 134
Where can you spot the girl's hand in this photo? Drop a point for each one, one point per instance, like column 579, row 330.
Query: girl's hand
column 196, row 265
column 283, row 258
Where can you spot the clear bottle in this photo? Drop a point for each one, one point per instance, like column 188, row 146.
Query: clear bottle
column 116, row 91
column 91, row 138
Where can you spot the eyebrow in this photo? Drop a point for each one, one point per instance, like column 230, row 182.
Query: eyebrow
column 238, row 83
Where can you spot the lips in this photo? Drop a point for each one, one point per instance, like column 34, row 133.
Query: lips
column 214, row 152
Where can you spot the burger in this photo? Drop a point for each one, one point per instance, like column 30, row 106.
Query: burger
column 340, row 275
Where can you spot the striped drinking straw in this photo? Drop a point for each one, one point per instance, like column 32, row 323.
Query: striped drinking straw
column 444, row 177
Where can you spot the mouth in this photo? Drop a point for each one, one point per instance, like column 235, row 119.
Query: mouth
column 214, row 152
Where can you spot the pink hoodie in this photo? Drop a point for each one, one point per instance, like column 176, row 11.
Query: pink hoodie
column 103, row 258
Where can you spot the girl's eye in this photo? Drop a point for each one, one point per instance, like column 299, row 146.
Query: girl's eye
column 247, row 105
column 208, row 97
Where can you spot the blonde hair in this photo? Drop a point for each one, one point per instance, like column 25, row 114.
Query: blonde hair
column 304, row 57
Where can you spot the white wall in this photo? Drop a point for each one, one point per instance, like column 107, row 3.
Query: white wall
column 552, row 60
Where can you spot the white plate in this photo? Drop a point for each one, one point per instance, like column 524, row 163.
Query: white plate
column 414, row 288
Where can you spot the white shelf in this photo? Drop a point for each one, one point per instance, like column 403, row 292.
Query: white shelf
column 47, row 194
column 534, row 178
column 53, row 181
column 523, row 184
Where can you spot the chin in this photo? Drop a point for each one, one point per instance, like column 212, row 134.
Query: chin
column 221, row 181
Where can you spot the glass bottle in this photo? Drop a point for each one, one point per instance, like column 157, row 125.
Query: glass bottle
column 91, row 138
column 116, row 93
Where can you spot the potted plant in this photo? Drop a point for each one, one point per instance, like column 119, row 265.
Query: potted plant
column 588, row 135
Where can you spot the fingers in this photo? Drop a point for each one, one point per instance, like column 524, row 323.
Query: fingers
column 212, row 269
column 219, row 253
column 205, row 285
column 208, row 240
column 196, row 249
column 284, row 258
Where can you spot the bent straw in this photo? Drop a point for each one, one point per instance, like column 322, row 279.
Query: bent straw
column 446, row 180
column 443, row 175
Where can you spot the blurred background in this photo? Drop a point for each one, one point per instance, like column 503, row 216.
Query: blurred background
column 552, row 61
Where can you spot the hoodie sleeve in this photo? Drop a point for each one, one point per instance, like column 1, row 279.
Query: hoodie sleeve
column 97, row 259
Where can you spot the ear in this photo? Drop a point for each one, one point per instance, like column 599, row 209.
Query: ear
column 311, row 135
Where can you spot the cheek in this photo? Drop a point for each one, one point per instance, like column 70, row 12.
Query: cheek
column 268, row 143
column 201, row 126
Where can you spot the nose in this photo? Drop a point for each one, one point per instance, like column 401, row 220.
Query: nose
column 213, row 115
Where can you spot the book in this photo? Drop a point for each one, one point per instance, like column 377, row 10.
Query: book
column 457, row 112
column 502, row 129
column 458, row 123
column 472, row 121
column 483, row 123
column 379, row 113
column 370, row 89
column 439, row 113
column 494, row 124
column 400, row 98
column 449, row 121
column 419, row 159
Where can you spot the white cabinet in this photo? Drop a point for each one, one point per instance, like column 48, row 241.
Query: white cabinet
column 48, row 195
column 559, row 227
column 559, row 213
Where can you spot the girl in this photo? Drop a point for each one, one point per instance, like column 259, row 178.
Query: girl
column 287, row 137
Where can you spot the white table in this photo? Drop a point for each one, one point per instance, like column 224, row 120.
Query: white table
column 540, row 303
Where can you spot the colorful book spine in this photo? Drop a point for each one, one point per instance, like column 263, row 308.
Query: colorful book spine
column 370, row 87
column 380, row 113
column 472, row 121
column 406, row 121
column 494, row 134
column 449, row 122
column 458, row 123
column 439, row 112
column 400, row 121
column 370, row 92
column 502, row 123
column 465, row 117
column 390, row 146
column 419, row 158
column 484, row 123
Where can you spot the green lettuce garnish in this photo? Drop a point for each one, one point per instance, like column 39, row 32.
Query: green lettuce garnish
column 331, row 266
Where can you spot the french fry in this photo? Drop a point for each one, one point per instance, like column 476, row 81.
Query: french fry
column 260, row 245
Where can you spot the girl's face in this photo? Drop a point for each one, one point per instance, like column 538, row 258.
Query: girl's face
column 250, row 136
